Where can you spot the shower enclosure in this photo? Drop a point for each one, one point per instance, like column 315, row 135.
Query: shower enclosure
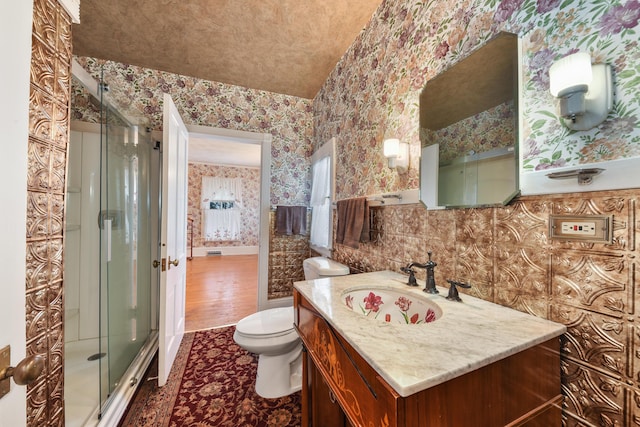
column 109, row 284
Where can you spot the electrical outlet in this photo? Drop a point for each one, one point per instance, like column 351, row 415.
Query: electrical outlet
column 585, row 228
column 578, row 228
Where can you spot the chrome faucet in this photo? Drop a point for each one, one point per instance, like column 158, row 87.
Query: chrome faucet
column 430, row 286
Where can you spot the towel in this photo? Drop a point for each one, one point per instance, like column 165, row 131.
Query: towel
column 291, row 220
column 353, row 222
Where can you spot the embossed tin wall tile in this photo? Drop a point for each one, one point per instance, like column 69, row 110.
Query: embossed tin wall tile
column 591, row 288
column 536, row 305
column 474, row 226
column 592, row 395
column 40, row 113
column 597, row 341
column 594, row 282
column 522, row 224
column 524, row 270
column 48, row 138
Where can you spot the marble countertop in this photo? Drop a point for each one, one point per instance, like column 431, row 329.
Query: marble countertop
column 411, row 358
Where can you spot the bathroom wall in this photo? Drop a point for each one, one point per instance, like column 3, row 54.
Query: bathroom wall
column 47, row 151
column 200, row 102
column 374, row 90
column 250, row 214
column 504, row 252
column 506, row 255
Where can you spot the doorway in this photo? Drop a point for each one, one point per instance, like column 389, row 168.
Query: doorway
column 227, row 280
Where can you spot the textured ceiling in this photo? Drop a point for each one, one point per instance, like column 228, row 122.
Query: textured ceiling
column 282, row 46
column 219, row 150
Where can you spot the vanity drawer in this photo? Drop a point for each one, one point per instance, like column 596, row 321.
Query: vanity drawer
column 365, row 398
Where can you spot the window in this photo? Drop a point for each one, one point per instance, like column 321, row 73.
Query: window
column 322, row 189
column 221, row 203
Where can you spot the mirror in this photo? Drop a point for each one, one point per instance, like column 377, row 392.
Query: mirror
column 469, row 129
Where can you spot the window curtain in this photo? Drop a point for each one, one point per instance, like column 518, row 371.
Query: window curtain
column 321, row 203
column 221, row 203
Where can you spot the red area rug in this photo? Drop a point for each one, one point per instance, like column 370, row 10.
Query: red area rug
column 216, row 380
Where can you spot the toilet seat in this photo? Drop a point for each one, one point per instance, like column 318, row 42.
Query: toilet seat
column 270, row 323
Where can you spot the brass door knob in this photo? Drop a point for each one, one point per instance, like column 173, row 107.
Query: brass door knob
column 175, row 262
column 27, row 370
column 156, row 263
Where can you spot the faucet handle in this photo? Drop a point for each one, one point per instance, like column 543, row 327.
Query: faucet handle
column 412, row 278
column 453, row 290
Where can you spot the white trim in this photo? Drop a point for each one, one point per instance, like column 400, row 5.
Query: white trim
column 225, row 165
column 265, row 209
column 617, row 175
column 226, row 250
column 90, row 84
column 404, row 197
column 15, row 45
column 328, row 149
column 199, row 131
column 429, row 158
column 72, row 7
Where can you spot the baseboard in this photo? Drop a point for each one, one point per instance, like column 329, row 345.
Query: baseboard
column 229, row 250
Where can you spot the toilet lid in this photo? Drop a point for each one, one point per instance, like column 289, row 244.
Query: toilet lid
column 267, row 322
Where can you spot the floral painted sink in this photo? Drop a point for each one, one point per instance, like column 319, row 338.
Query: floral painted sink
column 391, row 305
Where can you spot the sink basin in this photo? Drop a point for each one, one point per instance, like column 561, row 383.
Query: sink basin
column 391, row 305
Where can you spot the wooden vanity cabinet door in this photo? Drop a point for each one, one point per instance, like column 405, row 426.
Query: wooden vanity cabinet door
column 324, row 408
column 364, row 397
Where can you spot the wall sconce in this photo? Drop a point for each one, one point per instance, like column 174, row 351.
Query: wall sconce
column 397, row 153
column 585, row 90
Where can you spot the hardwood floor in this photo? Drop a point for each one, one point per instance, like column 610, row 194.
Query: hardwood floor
column 221, row 290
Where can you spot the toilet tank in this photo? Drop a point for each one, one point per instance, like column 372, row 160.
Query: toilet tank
column 319, row 267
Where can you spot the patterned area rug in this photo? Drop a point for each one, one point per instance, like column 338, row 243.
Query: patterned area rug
column 216, row 388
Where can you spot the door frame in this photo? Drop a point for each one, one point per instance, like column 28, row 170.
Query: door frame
column 15, row 46
column 264, row 140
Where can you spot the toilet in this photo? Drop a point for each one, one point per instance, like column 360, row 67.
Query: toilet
column 270, row 334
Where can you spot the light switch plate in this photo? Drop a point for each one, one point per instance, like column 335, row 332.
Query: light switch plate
column 582, row 228
column 5, row 362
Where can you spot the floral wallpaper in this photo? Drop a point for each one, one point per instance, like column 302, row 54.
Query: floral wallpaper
column 374, row 90
column 607, row 30
column 494, row 128
column 505, row 251
column 373, row 93
column 137, row 91
column 249, row 214
column 84, row 107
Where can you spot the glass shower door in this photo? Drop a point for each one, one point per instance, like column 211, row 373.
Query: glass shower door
column 125, row 248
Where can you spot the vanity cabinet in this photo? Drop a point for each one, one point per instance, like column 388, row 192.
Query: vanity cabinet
column 340, row 388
